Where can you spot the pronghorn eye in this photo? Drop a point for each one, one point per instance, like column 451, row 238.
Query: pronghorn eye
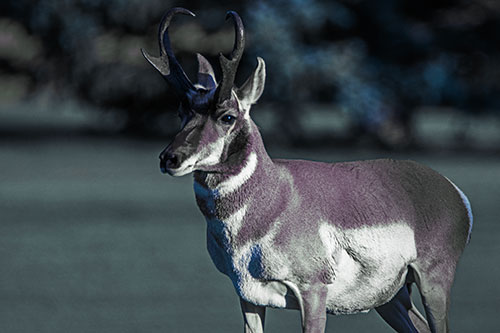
column 228, row 119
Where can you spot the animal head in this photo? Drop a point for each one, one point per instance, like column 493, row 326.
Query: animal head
column 214, row 115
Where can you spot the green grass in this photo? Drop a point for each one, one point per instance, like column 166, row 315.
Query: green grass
column 94, row 239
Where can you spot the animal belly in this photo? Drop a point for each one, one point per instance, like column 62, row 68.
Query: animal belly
column 363, row 294
column 369, row 265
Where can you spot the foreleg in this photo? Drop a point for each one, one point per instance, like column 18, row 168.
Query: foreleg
column 254, row 317
column 314, row 309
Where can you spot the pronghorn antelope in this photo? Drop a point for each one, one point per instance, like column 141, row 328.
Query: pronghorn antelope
column 318, row 237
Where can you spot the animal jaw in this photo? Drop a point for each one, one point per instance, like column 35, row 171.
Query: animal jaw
column 318, row 237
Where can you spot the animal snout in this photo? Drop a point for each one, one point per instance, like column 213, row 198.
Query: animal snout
column 168, row 160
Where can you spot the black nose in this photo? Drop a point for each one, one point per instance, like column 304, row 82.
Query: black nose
column 168, row 160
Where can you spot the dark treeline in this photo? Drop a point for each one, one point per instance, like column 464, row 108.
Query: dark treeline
column 375, row 61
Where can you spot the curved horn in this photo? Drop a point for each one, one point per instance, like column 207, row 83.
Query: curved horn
column 167, row 64
column 229, row 66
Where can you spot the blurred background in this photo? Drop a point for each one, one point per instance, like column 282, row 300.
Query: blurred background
column 94, row 239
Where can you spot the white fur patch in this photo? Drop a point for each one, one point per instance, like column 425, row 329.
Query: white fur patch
column 383, row 241
column 189, row 162
column 367, row 263
column 207, row 156
column 240, row 258
column 233, row 183
column 265, row 293
column 211, row 154
column 235, row 221
column 270, row 293
column 327, row 236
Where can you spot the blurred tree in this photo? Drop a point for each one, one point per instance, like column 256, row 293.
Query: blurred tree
column 376, row 61
column 90, row 49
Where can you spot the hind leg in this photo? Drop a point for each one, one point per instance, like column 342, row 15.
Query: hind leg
column 434, row 286
column 416, row 317
column 396, row 312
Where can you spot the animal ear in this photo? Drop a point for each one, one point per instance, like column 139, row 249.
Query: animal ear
column 251, row 90
column 206, row 76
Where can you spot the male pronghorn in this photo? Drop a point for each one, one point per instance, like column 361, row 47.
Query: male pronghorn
column 319, row 237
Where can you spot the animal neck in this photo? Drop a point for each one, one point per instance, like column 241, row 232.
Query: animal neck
column 249, row 160
column 247, row 172
column 229, row 199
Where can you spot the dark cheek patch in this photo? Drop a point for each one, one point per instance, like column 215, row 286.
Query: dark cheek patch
column 236, row 147
column 194, row 140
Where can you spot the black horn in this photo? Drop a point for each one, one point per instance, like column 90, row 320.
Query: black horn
column 229, row 66
column 167, row 64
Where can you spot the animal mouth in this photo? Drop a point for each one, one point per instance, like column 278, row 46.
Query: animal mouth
column 163, row 166
column 173, row 170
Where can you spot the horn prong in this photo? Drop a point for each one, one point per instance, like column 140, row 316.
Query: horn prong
column 157, row 63
column 167, row 63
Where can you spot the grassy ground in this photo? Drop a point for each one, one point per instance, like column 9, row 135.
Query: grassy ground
column 94, row 239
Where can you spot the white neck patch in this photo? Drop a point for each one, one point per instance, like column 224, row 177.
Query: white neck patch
column 235, row 221
column 233, row 183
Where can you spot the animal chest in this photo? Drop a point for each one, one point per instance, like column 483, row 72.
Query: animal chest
column 253, row 280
